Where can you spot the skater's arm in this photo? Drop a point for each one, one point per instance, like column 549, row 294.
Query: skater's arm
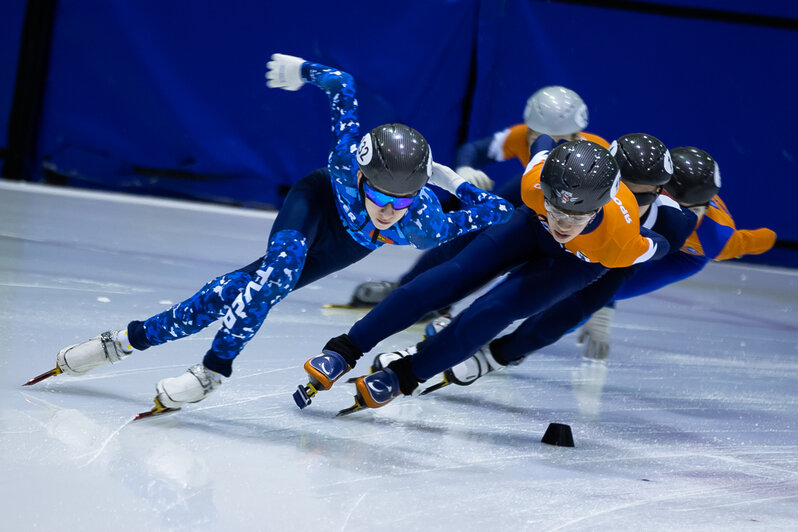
column 747, row 242
column 428, row 226
column 652, row 276
column 290, row 73
column 340, row 89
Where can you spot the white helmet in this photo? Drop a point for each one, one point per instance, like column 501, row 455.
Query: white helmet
column 555, row 110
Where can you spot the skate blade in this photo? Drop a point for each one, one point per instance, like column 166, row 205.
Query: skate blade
column 434, row 387
column 157, row 410
column 354, row 408
column 45, row 375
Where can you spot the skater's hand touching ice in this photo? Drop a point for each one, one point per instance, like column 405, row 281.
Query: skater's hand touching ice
column 284, row 72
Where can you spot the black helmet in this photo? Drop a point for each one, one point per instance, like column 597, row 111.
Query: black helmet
column 643, row 160
column 580, row 176
column 696, row 176
column 395, row 158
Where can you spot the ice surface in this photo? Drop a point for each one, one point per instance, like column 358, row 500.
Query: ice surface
column 691, row 424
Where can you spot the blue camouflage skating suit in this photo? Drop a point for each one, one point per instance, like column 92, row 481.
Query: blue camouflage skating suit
column 322, row 227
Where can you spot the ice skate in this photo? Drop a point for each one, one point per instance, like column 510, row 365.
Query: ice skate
column 370, row 293
column 436, row 325
column 374, row 390
column 467, row 372
column 323, row 370
column 382, row 360
column 107, row 348
column 191, row 387
column 339, row 355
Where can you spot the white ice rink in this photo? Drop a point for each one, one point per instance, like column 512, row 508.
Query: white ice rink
column 691, row 425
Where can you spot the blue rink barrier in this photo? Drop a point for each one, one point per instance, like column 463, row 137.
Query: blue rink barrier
column 170, row 99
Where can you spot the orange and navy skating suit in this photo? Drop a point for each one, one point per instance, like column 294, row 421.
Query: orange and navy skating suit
column 542, row 272
column 715, row 238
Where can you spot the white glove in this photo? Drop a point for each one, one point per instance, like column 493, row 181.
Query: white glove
column 284, row 72
column 478, row 178
column 595, row 334
column 445, row 177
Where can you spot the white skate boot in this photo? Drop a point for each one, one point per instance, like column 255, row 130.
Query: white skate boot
column 107, row 348
column 190, row 387
column 468, row 371
column 382, row 360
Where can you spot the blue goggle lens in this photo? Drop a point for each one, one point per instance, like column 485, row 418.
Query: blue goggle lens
column 382, row 199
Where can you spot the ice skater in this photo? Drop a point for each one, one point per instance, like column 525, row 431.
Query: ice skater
column 555, row 111
column 371, row 193
column 695, row 185
column 579, row 221
column 646, row 167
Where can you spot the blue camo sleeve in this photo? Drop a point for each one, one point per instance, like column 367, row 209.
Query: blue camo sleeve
column 430, row 226
column 340, row 89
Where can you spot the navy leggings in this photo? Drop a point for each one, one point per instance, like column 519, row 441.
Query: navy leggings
column 511, row 191
column 542, row 274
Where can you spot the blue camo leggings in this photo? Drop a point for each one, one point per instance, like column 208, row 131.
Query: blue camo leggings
column 241, row 299
column 307, row 242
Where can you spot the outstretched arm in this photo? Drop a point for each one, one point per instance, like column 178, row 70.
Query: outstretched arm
column 290, row 73
column 431, row 226
column 747, row 242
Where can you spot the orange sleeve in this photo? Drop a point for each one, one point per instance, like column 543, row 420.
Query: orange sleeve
column 747, row 242
column 515, row 145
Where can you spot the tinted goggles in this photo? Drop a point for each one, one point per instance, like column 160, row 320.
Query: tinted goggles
column 560, row 216
column 381, row 199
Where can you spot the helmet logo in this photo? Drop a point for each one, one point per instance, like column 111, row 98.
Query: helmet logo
column 668, row 162
column 581, row 117
column 565, row 196
column 365, row 151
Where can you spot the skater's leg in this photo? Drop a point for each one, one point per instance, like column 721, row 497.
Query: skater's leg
column 276, row 277
column 488, row 256
column 437, row 255
column 524, row 293
column 548, row 326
